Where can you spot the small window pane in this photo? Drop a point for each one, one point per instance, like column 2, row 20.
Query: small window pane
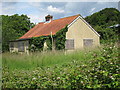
column 88, row 42
column 69, row 44
column 21, row 46
column 11, row 45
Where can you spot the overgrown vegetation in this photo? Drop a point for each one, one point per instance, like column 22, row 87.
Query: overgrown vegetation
column 101, row 22
column 60, row 39
column 13, row 27
column 93, row 69
column 37, row 43
column 96, row 69
column 41, row 59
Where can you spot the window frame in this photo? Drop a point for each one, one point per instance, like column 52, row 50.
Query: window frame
column 84, row 42
column 11, row 45
column 72, row 44
column 21, row 46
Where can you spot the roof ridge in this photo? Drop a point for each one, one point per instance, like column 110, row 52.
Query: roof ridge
column 62, row 18
column 68, row 16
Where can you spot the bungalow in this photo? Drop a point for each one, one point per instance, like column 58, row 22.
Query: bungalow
column 79, row 35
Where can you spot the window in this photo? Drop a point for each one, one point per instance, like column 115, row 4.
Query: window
column 11, row 45
column 69, row 44
column 21, row 46
column 88, row 42
column 27, row 45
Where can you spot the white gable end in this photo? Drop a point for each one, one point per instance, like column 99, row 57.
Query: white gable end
column 80, row 17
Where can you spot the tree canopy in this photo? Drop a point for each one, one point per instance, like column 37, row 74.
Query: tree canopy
column 101, row 22
column 104, row 18
column 14, row 27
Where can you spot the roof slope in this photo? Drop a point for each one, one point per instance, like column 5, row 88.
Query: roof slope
column 45, row 29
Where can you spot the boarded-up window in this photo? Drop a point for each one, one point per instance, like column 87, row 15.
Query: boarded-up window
column 21, row 46
column 69, row 44
column 88, row 42
column 27, row 45
column 11, row 45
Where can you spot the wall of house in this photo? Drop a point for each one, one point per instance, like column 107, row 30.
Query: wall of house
column 78, row 31
column 26, row 43
column 15, row 49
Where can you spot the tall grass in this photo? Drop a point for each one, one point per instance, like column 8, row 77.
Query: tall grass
column 80, row 69
column 45, row 59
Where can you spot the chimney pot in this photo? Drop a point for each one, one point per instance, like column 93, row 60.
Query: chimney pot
column 48, row 18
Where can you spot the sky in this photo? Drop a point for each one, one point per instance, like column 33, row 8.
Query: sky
column 38, row 10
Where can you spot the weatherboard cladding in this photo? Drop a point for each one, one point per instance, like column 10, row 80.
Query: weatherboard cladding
column 45, row 29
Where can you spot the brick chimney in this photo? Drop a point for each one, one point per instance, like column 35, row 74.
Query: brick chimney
column 48, row 18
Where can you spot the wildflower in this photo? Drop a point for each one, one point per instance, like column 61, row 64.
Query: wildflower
column 34, row 78
column 110, row 47
column 111, row 77
column 54, row 84
column 103, row 71
column 81, row 81
column 95, row 76
column 104, row 50
column 111, row 63
column 58, row 78
column 83, row 65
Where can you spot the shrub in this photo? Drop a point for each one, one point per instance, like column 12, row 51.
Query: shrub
column 102, row 71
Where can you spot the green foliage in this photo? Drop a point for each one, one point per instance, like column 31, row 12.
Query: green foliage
column 14, row 27
column 60, row 39
column 106, row 17
column 99, row 71
column 105, row 68
column 101, row 22
column 49, row 42
column 37, row 43
column 107, row 34
column 41, row 59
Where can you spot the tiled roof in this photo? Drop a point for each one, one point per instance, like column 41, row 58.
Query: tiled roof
column 45, row 29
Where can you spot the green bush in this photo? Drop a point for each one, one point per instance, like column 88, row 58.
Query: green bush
column 102, row 71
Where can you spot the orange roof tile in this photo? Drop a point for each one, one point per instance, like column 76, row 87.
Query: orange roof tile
column 45, row 29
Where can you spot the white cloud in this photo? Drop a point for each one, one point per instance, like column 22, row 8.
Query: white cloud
column 54, row 9
column 37, row 18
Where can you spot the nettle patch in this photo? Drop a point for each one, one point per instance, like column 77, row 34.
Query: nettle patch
column 37, row 43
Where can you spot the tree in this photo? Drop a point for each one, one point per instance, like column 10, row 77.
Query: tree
column 14, row 27
column 106, row 17
column 101, row 22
